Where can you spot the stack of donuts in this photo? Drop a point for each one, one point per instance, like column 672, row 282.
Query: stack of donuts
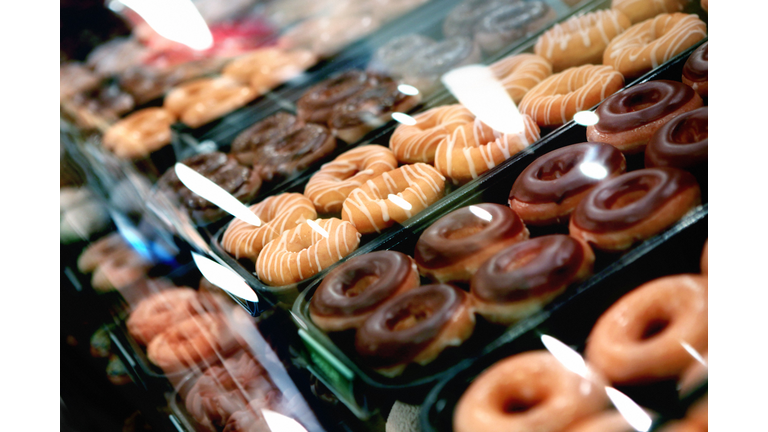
column 113, row 262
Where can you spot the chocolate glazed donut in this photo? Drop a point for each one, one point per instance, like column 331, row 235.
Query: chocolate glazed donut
column 633, row 207
column 453, row 247
column 628, row 119
column 415, row 327
column 351, row 291
column 293, row 152
column 696, row 70
column 522, row 278
column 262, row 133
column 318, row 102
column 681, row 143
column 548, row 190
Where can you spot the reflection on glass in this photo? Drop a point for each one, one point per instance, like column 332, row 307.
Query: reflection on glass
column 297, row 319
column 481, row 213
column 695, row 354
column 633, row 414
column 312, row 224
column 281, row 423
column 594, row 170
column 403, row 204
column 224, row 278
column 177, row 20
column 408, row 89
column 403, row 118
column 586, row 118
column 572, row 360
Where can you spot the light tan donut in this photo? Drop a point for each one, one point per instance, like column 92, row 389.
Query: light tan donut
column 520, row 73
column 641, row 10
column 606, row 421
column 581, row 39
column 267, row 68
column 475, row 148
column 160, row 310
column 199, row 101
column 277, row 213
column 556, row 99
column 305, row 250
column 100, row 251
column 140, row 133
column 330, row 186
column 705, row 259
column 418, row 142
column 646, row 45
column 370, row 209
column 705, row 5
column 121, row 269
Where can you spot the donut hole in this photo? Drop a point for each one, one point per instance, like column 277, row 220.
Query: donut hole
column 690, row 131
column 359, row 285
column 555, row 170
column 519, row 404
column 654, row 327
column 408, row 317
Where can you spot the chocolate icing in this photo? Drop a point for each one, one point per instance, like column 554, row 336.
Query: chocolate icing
column 263, row 133
column 513, row 17
column 317, row 103
column 294, row 151
column 681, row 143
column 696, row 68
column 556, row 176
column 367, row 106
column 503, row 278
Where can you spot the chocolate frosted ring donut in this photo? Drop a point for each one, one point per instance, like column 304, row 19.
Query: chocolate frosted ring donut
column 524, row 277
column 392, row 56
column 453, row 247
column 294, row 151
column 316, row 105
column 696, row 70
column 352, row 291
column 511, row 22
column 633, row 207
column 628, row 119
column 429, row 64
column 681, row 143
column 548, row 190
column 262, row 133
column 415, row 327
column 462, row 19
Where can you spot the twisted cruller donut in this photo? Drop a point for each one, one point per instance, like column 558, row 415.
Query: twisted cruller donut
column 277, row 213
column 267, row 68
column 140, row 133
column 581, row 39
column 418, row 142
column 642, row 337
column 641, row 10
column 645, row 46
column 520, row 73
column 156, row 313
column 556, row 99
column 475, row 148
column 370, row 209
column 329, row 187
column 531, row 391
column 198, row 102
column 305, row 250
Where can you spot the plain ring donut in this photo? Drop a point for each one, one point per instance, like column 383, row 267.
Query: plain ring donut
column 412, row 143
column 140, row 133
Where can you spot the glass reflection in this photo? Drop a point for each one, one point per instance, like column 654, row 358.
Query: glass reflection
column 632, row 412
column 593, row 170
column 408, row 89
column 572, row 360
column 312, row 224
column 695, row 354
column 403, row 204
column 224, row 278
column 177, row 20
column 586, row 118
column 281, row 423
column 403, row 118
column 481, row 213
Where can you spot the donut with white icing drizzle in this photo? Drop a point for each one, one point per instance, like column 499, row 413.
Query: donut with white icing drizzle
column 198, row 102
column 641, row 10
column 418, row 142
column 520, row 73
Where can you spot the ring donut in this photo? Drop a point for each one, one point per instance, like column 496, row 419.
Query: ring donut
column 681, row 143
column 696, row 70
column 412, row 143
column 140, row 133
column 520, row 73
column 640, row 10
column 510, row 22
column 267, row 68
column 199, row 101
column 159, row 311
column 606, row 421
column 265, row 133
column 330, row 186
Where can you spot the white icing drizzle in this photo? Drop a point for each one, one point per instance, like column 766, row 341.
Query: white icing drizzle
column 520, row 73
column 417, row 143
column 640, row 10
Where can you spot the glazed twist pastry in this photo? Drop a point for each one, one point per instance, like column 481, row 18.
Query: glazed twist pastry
column 520, row 73
column 140, row 133
column 200, row 101
column 418, row 142
column 266, row 68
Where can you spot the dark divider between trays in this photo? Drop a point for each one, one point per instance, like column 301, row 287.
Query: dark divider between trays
column 571, row 320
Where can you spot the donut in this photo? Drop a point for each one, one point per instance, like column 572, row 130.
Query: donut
column 705, row 5
column 638, row 339
column 548, row 190
column 426, row 67
column 278, row 213
column 417, row 142
column 705, row 259
column 463, row 19
column 140, row 133
column 262, row 133
column 370, row 207
column 329, row 187
column 324, row 36
column 555, row 100
column 521, row 279
column 634, row 207
column 454, row 246
column 316, row 104
column 121, row 269
column 581, row 39
column 606, row 421
column 696, row 70
column 520, row 73
column 511, row 22
column 75, row 78
column 414, row 327
column 628, row 119
column 98, row 107
column 200, row 101
column 648, row 44
column 698, row 413
column 352, row 291
column 393, row 55
column 475, row 148
column 295, row 151
column 681, row 426
column 694, row 375
column 99, row 251
column 266, row 68
column 681, row 143
column 159, row 311
column 531, row 391
column 642, row 10
column 305, row 250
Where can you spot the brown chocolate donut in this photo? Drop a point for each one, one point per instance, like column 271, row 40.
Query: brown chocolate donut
column 548, row 190
column 415, row 327
column 294, row 151
column 453, row 247
column 524, row 277
column 633, row 207
column 317, row 103
column 262, row 133
column 696, row 70
column 350, row 292
column 681, row 143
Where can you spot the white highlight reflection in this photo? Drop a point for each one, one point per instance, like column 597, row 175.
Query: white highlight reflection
column 481, row 213
column 408, row 89
column 586, row 118
column 631, row 411
column 403, row 204
column 224, row 278
column 572, row 360
column 594, row 170
column 695, row 354
column 312, row 224
column 403, row 118
column 177, row 20
column 209, row 190
column 281, row 423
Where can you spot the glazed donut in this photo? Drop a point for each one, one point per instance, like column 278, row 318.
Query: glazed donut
column 548, row 190
column 648, row 44
column 304, row 251
column 475, row 148
column 681, row 143
column 522, row 278
column 392, row 56
column 581, row 39
column 370, row 208
column 140, row 133
column 531, row 391
column 159, row 311
column 555, row 100
column 638, row 339
column 329, row 187
column 266, row 68
column 426, row 67
column 511, row 22
column 634, row 207
column 278, row 213
column 263, row 133
column 121, row 269
column 454, row 246
column 415, row 327
column 705, row 5
column 705, row 259
column 606, row 421
column 198, row 102
column 317, row 103
column 352, row 291
column 520, row 73
column 417, row 142
column 100, row 251
column 696, row 70
column 642, row 10
column 294, row 151
column 693, row 375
